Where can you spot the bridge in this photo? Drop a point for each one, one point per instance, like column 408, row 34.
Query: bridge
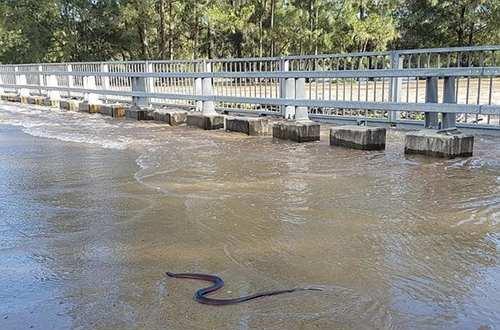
column 441, row 91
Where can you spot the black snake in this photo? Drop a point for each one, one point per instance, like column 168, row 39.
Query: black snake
column 218, row 283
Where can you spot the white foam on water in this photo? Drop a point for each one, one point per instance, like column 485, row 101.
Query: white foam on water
column 64, row 126
column 69, row 137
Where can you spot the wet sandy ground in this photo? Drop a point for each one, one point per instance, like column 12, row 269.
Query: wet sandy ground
column 94, row 211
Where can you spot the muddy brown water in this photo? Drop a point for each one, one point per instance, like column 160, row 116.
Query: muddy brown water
column 93, row 211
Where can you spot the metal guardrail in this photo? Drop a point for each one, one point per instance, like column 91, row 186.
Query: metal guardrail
column 391, row 87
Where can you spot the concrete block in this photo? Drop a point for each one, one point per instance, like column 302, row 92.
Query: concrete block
column 173, row 117
column 25, row 99
column 138, row 113
column 89, row 107
column 113, row 110
column 248, row 125
column 444, row 144
column 51, row 103
column 41, row 100
column 11, row 98
column 206, row 122
column 358, row 137
column 69, row 105
column 307, row 131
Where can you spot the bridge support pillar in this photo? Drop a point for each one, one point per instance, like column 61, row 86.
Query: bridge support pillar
column 395, row 84
column 54, row 96
column 440, row 139
column 91, row 102
column 141, row 108
column 208, row 119
column 297, row 125
column 24, row 93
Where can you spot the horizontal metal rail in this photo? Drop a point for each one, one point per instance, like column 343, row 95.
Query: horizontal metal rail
column 387, row 106
column 392, row 86
column 385, row 73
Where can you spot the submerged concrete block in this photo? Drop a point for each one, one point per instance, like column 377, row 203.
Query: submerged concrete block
column 173, row 117
column 25, row 99
column 307, row 131
column 36, row 100
column 358, row 137
column 248, row 125
column 113, row 110
column 52, row 103
column 89, row 107
column 11, row 98
column 138, row 113
column 206, row 122
column 69, row 105
column 445, row 144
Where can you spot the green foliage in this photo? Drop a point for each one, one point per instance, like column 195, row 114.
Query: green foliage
column 86, row 30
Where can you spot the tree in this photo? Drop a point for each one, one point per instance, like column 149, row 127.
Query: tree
column 432, row 23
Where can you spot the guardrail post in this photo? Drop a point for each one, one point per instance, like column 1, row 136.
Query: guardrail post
column 2, row 90
column 301, row 129
column 208, row 119
column 290, row 94
column 40, row 79
column 21, row 81
column 301, row 113
column 150, row 81
column 284, row 65
column 71, row 82
column 140, row 84
column 449, row 96
column 431, row 96
column 105, row 79
column 395, row 86
column 89, row 83
column 207, row 90
column 198, row 87
column 54, row 95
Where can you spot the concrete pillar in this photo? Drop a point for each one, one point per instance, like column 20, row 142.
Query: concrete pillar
column 287, row 90
column 208, row 119
column 40, row 79
column 395, row 86
column 290, row 94
column 21, row 81
column 2, row 90
column 139, row 85
column 301, row 113
column 301, row 129
column 54, row 95
column 449, row 143
column 71, row 81
column 150, row 81
column 207, row 90
column 198, row 90
column 105, row 79
column 449, row 96
column 431, row 96
column 89, row 83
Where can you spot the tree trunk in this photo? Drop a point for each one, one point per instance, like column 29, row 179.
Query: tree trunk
column 460, row 29
column 141, row 28
column 316, row 23
column 161, row 29
column 273, row 12
column 170, row 30
column 261, row 28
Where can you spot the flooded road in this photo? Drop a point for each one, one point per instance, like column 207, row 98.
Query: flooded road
column 94, row 211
